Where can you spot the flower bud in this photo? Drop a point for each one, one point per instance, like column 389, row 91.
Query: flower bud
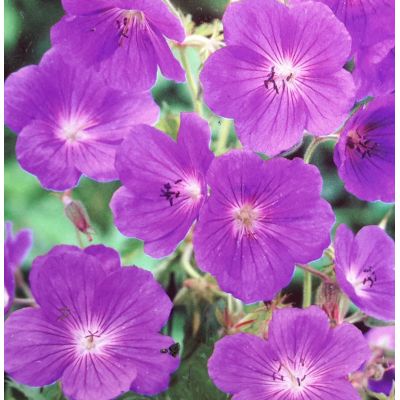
column 328, row 297
column 77, row 214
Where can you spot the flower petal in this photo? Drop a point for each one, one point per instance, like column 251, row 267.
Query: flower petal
column 238, row 361
column 36, row 352
column 49, row 158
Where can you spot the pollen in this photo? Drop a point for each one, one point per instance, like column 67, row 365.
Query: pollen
column 246, row 219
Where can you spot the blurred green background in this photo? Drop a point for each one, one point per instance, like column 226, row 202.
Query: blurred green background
column 27, row 27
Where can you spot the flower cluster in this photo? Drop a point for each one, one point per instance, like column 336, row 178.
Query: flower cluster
column 288, row 69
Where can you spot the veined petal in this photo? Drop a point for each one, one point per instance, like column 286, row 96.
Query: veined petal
column 36, row 352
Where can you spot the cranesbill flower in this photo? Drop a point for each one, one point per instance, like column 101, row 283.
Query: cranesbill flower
column 123, row 39
column 364, row 265
column 261, row 218
column 69, row 122
column 280, row 73
column 163, row 183
column 364, row 154
column 374, row 70
column 382, row 339
column 303, row 358
column 16, row 248
column 368, row 21
column 95, row 330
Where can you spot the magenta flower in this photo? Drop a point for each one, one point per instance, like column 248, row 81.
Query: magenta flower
column 303, row 358
column 123, row 39
column 16, row 248
column 368, row 21
column 261, row 219
column 364, row 154
column 280, row 73
column 365, row 269
column 374, row 70
column 96, row 328
column 164, row 183
column 382, row 338
column 69, row 122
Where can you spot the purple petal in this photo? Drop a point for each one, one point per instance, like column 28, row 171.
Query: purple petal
column 98, row 377
column 78, row 7
column 134, row 323
column 364, row 154
column 238, row 361
column 164, row 184
column 253, row 263
column 9, row 283
column 365, row 270
column 107, row 257
column 374, row 71
column 18, row 246
column 383, row 337
column 20, row 102
column 154, row 367
column 36, row 352
column 47, row 157
column 123, row 40
column 63, row 283
column 276, row 79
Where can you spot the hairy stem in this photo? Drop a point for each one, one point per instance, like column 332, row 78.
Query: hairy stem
column 223, row 136
column 193, row 88
column 307, row 289
column 316, row 272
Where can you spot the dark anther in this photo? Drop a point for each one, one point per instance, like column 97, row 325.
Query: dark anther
column 371, row 277
column 168, row 193
column 172, row 350
column 302, row 362
column 298, row 381
column 276, row 376
column 363, row 146
column 271, row 78
column 289, row 77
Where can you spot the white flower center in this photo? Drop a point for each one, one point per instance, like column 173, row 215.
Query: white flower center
column 73, row 129
column 91, row 341
column 246, row 218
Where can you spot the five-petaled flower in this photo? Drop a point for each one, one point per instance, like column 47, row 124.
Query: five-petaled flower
column 364, row 265
column 164, row 183
column 96, row 329
column 123, row 39
column 303, row 358
column 69, row 122
column 281, row 72
column 364, row 154
column 261, row 218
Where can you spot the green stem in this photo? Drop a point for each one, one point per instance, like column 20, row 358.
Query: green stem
column 79, row 238
column 185, row 260
column 314, row 144
column 307, row 289
column 193, row 88
column 223, row 136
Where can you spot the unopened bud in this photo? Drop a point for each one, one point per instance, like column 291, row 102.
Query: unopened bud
column 328, row 297
column 76, row 213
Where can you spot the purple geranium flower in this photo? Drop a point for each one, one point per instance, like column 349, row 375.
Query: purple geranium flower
column 368, row 21
column 280, row 73
column 303, row 358
column 69, row 122
column 261, row 219
column 364, row 154
column 96, row 328
column 382, row 338
column 16, row 248
column 164, row 183
column 365, row 269
column 123, row 39
column 374, row 70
